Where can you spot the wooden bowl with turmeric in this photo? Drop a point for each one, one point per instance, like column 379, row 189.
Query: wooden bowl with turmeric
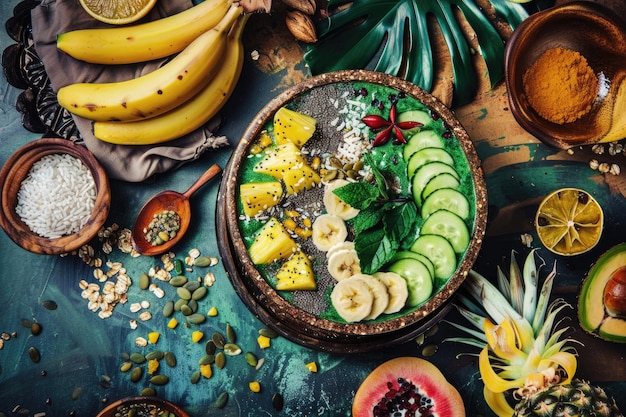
column 566, row 75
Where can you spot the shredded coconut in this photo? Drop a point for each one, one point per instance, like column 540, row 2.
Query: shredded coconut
column 57, row 196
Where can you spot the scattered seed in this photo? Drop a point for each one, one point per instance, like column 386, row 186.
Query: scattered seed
column 155, row 354
column 170, row 359
column 195, row 377
column 136, row 374
column 186, row 310
column 207, row 360
column 278, row 402
column 220, row 360
column 219, row 340
column 232, row 349
column 222, row 400
column 210, row 347
column 25, row 323
column 77, row 393
column 196, row 318
column 251, row 359
column 34, row 354
column 148, row 392
column 126, row 366
column 420, row 339
column 432, row 331
column 192, row 286
column 429, row 350
column 137, row 358
column 267, row 332
column 178, row 266
column 105, row 384
column 193, row 305
column 202, row 261
column 35, row 329
column 230, row 333
column 168, row 309
column 49, row 304
column 183, row 293
column 199, row 293
column 178, row 281
column 259, row 364
column 144, row 281
column 179, row 303
column 159, row 380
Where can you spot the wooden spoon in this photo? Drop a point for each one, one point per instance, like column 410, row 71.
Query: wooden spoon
column 167, row 200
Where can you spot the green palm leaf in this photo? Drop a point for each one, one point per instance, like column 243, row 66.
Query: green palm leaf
column 392, row 36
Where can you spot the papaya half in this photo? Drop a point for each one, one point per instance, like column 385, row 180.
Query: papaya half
column 408, row 385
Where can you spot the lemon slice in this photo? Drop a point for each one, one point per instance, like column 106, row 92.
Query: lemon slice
column 569, row 221
column 117, row 12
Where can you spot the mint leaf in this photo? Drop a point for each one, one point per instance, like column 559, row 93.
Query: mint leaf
column 380, row 178
column 375, row 249
column 367, row 219
column 400, row 220
column 358, row 195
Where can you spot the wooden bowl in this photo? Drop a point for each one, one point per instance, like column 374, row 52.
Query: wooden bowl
column 298, row 318
column 157, row 405
column 15, row 171
column 599, row 36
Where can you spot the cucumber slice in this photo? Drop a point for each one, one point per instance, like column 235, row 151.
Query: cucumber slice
column 426, row 155
column 425, row 173
column 439, row 251
column 414, row 255
column 414, row 116
column 418, row 280
column 449, row 225
column 449, row 199
column 437, row 182
column 420, row 140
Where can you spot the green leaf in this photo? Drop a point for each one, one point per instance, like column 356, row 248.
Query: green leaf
column 367, row 219
column 375, row 249
column 393, row 37
column 399, row 220
column 358, row 195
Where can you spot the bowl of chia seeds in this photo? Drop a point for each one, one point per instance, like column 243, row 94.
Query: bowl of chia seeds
column 331, row 188
column 142, row 406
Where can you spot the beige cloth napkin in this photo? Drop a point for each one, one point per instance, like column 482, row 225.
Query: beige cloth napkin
column 125, row 162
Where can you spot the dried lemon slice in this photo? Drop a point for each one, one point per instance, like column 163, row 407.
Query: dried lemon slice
column 117, row 12
column 569, row 221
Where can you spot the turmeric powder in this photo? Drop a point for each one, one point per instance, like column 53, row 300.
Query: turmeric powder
column 560, row 85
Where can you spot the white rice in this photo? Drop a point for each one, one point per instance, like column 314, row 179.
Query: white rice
column 57, row 196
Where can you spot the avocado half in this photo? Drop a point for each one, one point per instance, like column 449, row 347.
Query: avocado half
column 593, row 315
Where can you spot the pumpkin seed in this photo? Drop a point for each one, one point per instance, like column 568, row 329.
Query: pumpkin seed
column 186, row 310
column 137, row 358
column 196, row 318
column 330, row 175
column 34, row 354
column 429, row 350
column 178, row 281
column 148, row 392
column 432, row 331
column 230, row 333
column 267, row 332
column 220, row 360
column 199, row 293
column 278, row 402
column 219, row 340
column 170, row 359
column 168, row 309
column 136, row 374
column 259, row 364
column 207, row 360
column 179, row 303
column 210, row 347
column 77, row 393
column 195, row 377
column 49, row 304
column 202, row 261
column 144, row 281
column 232, row 349
column 419, row 339
column 126, row 366
column 26, row 323
column 192, row 286
column 35, row 329
column 159, row 380
column 222, row 400
column 193, row 305
column 155, row 354
column 183, row 293
column 178, row 266
column 251, row 359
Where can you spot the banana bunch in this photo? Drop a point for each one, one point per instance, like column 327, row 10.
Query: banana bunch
column 173, row 100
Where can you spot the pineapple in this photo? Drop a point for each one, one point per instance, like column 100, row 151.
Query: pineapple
column 294, row 127
column 279, row 159
column 259, row 196
column 300, row 177
column 272, row 243
column 521, row 349
column 296, row 274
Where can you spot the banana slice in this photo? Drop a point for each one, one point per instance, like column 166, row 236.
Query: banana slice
column 343, row 263
column 396, row 288
column 348, row 244
column 328, row 230
column 335, row 205
column 381, row 296
column 353, row 299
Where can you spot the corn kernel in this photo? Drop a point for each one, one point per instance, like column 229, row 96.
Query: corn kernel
column 153, row 337
column 172, row 323
column 255, row 386
column 196, row 336
column 304, row 233
column 212, row 312
column 307, row 222
column 311, row 366
column 264, row 341
column 206, row 370
column 265, row 139
column 290, row 224
column 153, row 366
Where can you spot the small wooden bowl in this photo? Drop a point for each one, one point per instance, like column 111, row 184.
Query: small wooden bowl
column 598, row 35
column 15, row 171
column 163, row 405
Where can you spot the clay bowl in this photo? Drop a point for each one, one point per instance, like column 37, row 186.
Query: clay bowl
column 599, row 36
column 307, row 317
column 155, row 405
column 15, row 171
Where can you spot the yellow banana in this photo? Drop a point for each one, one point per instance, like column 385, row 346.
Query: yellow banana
column 189, row 115
column 145, row 41
column 159, row 91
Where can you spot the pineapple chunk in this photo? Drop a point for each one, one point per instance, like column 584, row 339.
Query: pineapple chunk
column 300, row 177
column 291, row 126
column 278, row 160
column 272, row 243
column 296, row 274
column 259, row 196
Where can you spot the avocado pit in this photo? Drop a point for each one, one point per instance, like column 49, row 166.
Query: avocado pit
column 614, row 296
